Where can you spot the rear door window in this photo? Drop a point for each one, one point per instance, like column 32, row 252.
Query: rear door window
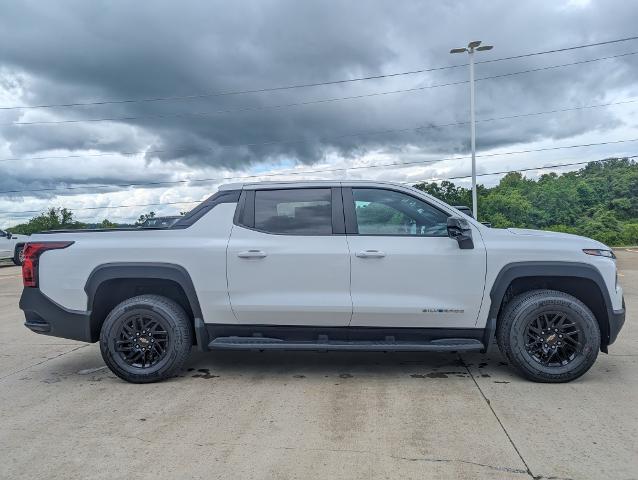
column 303, row 211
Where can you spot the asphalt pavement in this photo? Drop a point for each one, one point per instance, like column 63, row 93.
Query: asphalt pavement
column 306, row 415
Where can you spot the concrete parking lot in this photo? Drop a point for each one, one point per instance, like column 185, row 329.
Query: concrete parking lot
column 312, row 415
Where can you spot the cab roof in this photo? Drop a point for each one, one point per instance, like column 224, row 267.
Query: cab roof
column 307, row 183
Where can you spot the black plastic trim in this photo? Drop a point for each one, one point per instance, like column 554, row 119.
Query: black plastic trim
column 223, row 196
column 324, row 344
column 44, row 316
column 155, row 270
column 347, row 333
column 349, row 212
column 338, row 223
column 616, row 322
column 239, row 210
column 512, row 271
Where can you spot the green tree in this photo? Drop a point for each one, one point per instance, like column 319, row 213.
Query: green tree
column 107, row 224
column 144, row 217
column 52, row 219
column 598, row 201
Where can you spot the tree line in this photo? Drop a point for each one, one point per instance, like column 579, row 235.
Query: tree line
column 598, row 201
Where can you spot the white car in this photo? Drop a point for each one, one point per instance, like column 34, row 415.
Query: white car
column 345, row 265
column 11, row 246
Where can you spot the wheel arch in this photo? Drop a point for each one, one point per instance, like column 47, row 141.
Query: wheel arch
column 580, row 280
column 111, row 283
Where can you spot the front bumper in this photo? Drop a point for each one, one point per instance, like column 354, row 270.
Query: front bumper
column 44, row 316
column 616, row 322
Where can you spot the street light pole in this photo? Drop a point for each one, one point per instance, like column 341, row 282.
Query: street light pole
column 471, row 47
column 473, row 137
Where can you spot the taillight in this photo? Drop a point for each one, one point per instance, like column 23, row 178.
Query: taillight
column 32, row 252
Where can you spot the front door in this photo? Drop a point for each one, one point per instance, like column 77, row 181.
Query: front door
column 5, row 245
column 288, row 260
column 406, row 271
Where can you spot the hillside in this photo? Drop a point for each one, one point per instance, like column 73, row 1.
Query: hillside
column 598, row 201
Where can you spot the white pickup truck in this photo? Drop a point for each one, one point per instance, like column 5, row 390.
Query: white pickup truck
column 345, row 265
column 11, row 246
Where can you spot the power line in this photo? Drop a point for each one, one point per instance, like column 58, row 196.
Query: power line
column 111, row 206
column 528, row 169
column 558, row 50
column 331, row 137
column 331, row 170
column 558, row 165
column 307, row 85
column 309, row 102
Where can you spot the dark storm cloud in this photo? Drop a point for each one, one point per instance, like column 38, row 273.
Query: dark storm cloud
column 79, row 51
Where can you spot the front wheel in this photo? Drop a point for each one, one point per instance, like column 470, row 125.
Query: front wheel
column 146, row 339
column 549, row 336
column 18, row 255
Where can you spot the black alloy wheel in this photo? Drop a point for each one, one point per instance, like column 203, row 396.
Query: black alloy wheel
column 146, row 338
column 553, row 339
column 548, row 335
column 142, row 339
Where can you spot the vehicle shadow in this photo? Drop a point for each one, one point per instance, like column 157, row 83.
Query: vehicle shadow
column 337, row 364
column 283, row 365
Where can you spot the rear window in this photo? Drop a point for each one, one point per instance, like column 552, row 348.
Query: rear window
column 294, row 211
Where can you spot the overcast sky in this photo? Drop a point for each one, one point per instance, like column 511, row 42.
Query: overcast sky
column 77, row 52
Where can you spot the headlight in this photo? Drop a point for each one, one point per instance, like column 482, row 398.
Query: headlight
column 599, row 253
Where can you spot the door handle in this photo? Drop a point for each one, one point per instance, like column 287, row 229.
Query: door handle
column 252, row 254
column 370, row 254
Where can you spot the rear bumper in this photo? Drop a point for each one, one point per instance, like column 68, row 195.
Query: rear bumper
column 44, row 316
column 616, row 322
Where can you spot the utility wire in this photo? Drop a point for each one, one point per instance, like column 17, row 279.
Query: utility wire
column 558, row 165
column 312, row 102
column 111, row 206
column 524, row 169
column 307, row 85
column 309, row 102
column 331, row 137
column 330, row 170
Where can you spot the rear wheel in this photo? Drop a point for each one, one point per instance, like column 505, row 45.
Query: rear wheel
column 18, row 255
column 146, row 339
column 549, row 336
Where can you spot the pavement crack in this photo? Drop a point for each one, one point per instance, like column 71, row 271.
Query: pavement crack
column 529, row 472
column 43, row 361
column 467, row 462
column 342, row 450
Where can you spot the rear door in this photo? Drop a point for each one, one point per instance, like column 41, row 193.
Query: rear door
column 288, row 259
column 406, row 271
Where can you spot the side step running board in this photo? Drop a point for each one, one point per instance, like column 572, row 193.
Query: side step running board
column 262, row 343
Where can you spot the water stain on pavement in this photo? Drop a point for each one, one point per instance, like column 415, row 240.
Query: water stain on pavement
column 438, row 375
column 204, row 373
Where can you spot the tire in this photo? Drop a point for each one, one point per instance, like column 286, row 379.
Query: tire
column 564, row 353
column 166, row 344
column 17, row 255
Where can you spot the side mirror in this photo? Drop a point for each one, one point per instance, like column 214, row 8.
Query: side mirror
column 460, row 230
column 466, row 210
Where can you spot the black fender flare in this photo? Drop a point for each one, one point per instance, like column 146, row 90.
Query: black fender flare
column 155, row 270
column 515, row 270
